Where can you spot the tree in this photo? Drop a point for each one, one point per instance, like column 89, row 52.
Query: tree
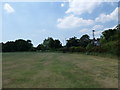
column 110, row 38
column 48, row 43
column 84, row 40
column 22, row 45
column 72, row 42
column 9, row 47
column 57, row 44
column 18, row 45
column 41, row 47
column 109, row 34
column 1, row 44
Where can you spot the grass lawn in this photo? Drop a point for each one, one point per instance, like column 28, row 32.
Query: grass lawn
column 58, row 70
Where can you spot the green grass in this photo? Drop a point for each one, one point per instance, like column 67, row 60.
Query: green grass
column 58, row 70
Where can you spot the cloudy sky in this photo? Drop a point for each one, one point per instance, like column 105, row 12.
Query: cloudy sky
column 60, row 20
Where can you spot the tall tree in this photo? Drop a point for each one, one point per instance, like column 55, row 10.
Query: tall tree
column 109, row 34
column 22, row 45
column 9, row 47
column 18, row 45
column 57, row 44
column 1, row 45
column 41, row 47
column 48, row 43
column 84, row 40
column 72, row 42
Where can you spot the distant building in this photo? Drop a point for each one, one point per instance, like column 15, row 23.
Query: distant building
column 96, row 43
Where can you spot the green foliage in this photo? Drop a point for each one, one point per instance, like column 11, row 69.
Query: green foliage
column 40, row 47
column 64, row 49
column 103, row 40
column 22, row 45
column 49, row 44
column 98, row 49
column 73, row 49
column 72, row 42
column 111, row 47
column 77, row 49
column 109, row 34
column 9, row 47
column 57, row 44
column 108, row 42
column 84, row 40
column 18, row 45
column 89, row 47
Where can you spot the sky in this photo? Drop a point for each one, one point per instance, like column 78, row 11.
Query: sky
column 37, row 21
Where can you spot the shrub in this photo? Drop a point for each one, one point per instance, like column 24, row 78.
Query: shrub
column 92, row 48
column 98, row 49
column 80, row 49
column 72, row 49
column 77, row 49
column 89, row 47
column 64, row 49
column 111, row 47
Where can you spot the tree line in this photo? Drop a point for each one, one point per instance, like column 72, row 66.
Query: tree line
column 18, row 45
column 108, row 42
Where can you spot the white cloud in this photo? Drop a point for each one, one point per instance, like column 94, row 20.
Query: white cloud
column 108, row 17
column 8, row 8
column 98, row 33
column 89, row 32
column 85, row 30
column 98, row 30
column 82, row 6
column 71, row 22
column 62, row 5
column 78, row 7
column 97, row 27
column 110, row 27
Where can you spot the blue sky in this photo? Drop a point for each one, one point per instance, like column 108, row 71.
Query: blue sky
column 60, row 20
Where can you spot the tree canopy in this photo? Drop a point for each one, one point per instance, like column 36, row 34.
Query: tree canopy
column 18, row 45
column 49, row 44
column 109, row 40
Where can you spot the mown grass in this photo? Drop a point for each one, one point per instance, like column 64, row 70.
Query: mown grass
column 58, row 70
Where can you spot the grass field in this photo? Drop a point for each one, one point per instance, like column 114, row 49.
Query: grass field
column 58, row 70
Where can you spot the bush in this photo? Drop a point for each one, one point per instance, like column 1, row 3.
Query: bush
column 64, row 49
column 111, row 47
column 89, row 47
column 77, row 49
column 92, row 48
column 98, row 49
column 72, row 49
column 80, row 49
